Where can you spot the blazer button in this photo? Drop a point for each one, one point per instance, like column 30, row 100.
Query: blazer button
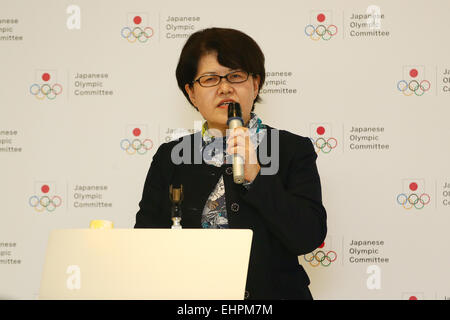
column 246, row 294
column 234, row 207
column 229, row 170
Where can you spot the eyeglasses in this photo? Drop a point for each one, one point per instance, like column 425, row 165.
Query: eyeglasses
column 211, row 80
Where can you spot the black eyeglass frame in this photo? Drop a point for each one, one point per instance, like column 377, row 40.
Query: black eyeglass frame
column 221, row 77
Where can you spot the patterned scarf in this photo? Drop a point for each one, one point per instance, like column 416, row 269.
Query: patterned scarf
column 214, row 153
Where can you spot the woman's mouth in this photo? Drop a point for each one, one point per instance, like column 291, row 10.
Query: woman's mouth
column 224, row 104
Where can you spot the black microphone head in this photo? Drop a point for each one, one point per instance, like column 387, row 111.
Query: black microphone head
column 234, row 110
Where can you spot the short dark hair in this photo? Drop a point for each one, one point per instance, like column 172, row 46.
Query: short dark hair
column 235, row 50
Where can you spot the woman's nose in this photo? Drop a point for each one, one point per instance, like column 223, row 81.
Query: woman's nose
column 224, row 86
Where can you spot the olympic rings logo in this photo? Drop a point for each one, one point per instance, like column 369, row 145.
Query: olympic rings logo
column 40, row 92
column 319, row 257
column 413, row 86
column 136, row 146
column 320, row 32
column 137, row 33
column 45, row 90
column 45, row 203
column 413, row 200
column 324, row 145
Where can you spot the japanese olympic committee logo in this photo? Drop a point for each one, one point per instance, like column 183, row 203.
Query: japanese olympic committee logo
column 319, row 135
column 412, row 82
column 45, row 198
column 321, row 257
column 321, row 26
column 413, row 296
column 44, row 88
column 413, row 195
column 135, row 30
column 136, row 144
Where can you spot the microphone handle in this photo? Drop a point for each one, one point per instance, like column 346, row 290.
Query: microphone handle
column 238, row 161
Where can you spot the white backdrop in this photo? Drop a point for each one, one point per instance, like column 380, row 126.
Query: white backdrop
column 78, row 91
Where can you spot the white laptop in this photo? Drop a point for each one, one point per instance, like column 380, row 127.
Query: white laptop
column 162, row 264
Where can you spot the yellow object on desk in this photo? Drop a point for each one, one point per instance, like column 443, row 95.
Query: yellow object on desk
column 101, row 224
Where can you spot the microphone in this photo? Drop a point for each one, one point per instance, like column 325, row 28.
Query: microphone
column 235, row 121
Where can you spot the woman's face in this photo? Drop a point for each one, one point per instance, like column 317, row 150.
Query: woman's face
column 209, row 101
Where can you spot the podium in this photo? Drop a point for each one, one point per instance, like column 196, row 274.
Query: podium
column 154, row 264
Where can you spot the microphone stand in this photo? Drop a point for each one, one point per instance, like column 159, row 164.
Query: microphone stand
column 176, row 197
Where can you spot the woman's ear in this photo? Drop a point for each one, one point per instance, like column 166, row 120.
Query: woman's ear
column 256, row 84
column 191, row 93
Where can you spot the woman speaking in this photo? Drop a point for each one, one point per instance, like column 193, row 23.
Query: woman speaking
column 280, row 200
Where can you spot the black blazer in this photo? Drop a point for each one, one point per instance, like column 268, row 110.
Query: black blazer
column 284, row 209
